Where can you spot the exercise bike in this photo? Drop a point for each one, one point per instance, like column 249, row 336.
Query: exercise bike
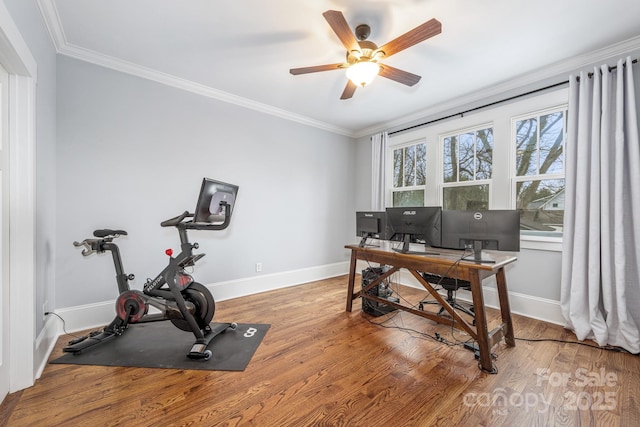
column 189, row 305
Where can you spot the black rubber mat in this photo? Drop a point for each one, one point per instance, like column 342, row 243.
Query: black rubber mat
column 162, row 345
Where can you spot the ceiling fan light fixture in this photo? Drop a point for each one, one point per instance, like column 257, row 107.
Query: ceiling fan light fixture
column 363, row 72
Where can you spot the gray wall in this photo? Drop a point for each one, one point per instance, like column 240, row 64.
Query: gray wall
column 27, row 18
column 132, row 153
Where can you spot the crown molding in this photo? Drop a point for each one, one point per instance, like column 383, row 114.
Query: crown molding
column 554, row 73
column 127, row 67
column 63, row 47
column 52, row 21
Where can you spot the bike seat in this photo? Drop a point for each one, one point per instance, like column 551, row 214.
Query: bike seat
column 105, row 232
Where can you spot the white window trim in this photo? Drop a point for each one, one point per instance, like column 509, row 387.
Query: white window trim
column 532, row 241
column 391, row 147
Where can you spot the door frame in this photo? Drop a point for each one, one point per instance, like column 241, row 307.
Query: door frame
column 22, row 68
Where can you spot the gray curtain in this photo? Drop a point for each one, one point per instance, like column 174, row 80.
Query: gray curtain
column 600, row 294
column 378, row 171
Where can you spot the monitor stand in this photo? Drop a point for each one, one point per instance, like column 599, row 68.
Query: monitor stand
column 477, row 254
column 363, row 242
column 405, row 247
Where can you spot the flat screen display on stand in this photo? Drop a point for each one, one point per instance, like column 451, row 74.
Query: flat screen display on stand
column 209, row 209
column 478, row 230
column 371, row 224
column 415, row 224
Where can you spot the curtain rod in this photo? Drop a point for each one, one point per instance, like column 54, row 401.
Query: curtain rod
column 611, row 68
column 462, row 113
column 491, row 104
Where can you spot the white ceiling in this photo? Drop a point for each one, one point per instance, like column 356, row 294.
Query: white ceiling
column 241, row 51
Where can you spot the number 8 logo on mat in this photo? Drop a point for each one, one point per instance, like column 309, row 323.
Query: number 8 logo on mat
column 250, row 332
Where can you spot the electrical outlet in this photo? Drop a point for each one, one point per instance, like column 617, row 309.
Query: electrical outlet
column 258, row 267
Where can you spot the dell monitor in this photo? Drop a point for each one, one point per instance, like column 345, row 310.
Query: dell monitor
column 215, row 202
column 477, row 230
column 371, row 224
column 415, row 224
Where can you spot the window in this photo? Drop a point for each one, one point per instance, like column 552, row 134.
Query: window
column 507, row 156
column 409, row 175
column 539, row 171
column 467, row 169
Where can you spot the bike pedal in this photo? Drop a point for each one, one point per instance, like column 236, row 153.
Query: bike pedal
column 77, row 340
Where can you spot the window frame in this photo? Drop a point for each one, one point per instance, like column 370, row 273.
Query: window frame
column 390, row 161
column 533, row 236
column 441, row 184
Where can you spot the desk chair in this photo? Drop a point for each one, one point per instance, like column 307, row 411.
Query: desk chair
column 451, row 285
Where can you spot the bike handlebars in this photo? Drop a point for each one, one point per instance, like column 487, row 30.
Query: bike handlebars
column 104, row 235
column 90, row 246
column 178, row 220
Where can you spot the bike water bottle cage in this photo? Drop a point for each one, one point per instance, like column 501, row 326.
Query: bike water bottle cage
column 106, row 232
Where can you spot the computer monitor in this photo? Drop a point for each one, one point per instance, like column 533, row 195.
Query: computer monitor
column 215, row 202
column 371, row 224
column 477, row 230
column 415, row 224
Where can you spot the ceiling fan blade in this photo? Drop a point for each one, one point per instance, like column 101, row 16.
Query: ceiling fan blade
column 422, row 32
column 315, row 69
column 349, row 89
column 398, row 75
column 340, row 26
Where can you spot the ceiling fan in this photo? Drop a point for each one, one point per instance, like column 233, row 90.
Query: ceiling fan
column 363, row 56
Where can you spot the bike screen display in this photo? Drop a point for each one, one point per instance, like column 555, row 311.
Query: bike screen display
column 212, row 193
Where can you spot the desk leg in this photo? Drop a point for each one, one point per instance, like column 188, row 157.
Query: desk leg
column 505, row 309
column 481, row 323
column 352, row 277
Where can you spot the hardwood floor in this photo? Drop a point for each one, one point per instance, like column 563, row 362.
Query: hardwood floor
column 319, row 365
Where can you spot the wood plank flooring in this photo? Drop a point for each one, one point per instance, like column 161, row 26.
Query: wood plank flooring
column 321, row 366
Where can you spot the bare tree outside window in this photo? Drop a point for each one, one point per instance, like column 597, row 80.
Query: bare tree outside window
column 450, row 159
column 467, row 158
column 484, row 153
column 409, row 175
column 539, row 172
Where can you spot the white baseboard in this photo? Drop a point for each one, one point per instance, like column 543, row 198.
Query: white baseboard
column 537, row 308
column 44, row 344
column 249, row 286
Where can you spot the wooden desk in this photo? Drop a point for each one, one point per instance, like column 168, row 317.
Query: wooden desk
column 446, row 263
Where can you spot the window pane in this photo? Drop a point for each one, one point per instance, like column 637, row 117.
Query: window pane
column 466, row 151
column 484, row 153
column 397, row 168
column 421, row 164
column 541, row 203
column 409, row 165
column 450, row 159
column 408, row 198
column 466, row 198
column 526, row 147
column 551, row 136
